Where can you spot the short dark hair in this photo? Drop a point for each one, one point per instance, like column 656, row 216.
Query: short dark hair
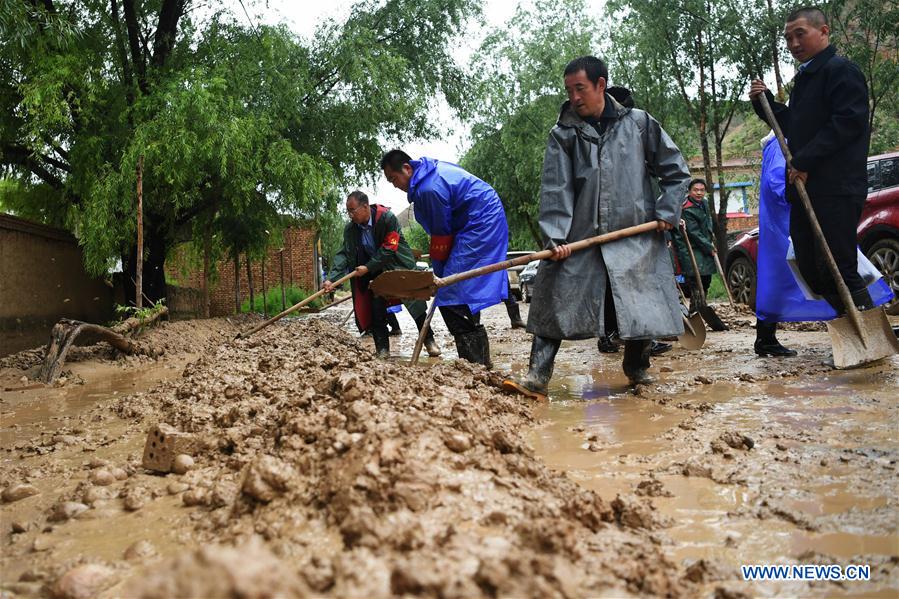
column 592, row 66
column 695, row 181
column 814, row 15
column 395, row 159
column 359, row 196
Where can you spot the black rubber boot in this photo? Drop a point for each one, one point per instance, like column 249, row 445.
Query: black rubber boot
column 607, row 344
column 515, row 315
column 540, row 369
column 636, row 361
column 474, row 347
column 766, row 343
column 382, row 342
column 430, row 343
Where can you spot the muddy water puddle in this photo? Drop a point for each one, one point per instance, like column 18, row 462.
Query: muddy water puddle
column 609, row 441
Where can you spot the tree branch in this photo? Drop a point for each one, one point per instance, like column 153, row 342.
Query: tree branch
column 137, row 57
column 166, row 30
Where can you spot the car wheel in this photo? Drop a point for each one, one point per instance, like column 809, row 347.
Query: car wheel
column 741, row 278
column 885, row 256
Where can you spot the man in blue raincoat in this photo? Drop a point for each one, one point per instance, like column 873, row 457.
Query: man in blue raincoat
column 467, row 224
column 779, row 297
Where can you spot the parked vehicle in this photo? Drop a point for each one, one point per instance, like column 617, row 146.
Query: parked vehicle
column 878, row 234
column 515, row 272
column 526, row 280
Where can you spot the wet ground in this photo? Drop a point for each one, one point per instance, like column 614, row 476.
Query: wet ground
column 428, row 481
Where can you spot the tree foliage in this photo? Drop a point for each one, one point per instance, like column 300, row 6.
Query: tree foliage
column 519, row 91
column 237, row 125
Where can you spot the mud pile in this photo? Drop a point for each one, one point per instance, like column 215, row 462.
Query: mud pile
column 334, row 473
column 165, row 338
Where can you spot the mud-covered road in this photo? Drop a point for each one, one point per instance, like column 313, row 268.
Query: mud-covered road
column 318, row 470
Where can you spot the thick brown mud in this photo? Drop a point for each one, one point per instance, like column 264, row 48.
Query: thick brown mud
column 321, row 471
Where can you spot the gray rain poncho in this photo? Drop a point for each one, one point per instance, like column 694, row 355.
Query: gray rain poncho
column 595, row 184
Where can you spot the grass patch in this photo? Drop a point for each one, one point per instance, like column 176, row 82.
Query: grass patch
column 293, row 295
column 716, row 289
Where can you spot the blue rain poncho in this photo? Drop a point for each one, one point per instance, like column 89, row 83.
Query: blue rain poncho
column 464, row 212
column 779, row 297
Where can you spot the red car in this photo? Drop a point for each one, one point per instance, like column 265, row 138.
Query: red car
column 878, row 234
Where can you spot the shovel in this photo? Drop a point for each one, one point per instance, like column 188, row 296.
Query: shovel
column 422, row 284
column 859, row 337
column 706, row 311
column 694, row 329
column 423, row 333
column 297, row 306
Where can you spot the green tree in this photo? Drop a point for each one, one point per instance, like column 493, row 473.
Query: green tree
column 236, row 125
column 699, row 48
column 518, row 93
column 867, row 32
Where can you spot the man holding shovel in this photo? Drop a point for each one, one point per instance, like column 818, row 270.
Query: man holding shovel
column 373, row 243
column 826, row 126
column 467, row 224
column 598, row 168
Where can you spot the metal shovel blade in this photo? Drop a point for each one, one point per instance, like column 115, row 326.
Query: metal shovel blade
column 405, row 284
column 694, row 332
column 876, row 342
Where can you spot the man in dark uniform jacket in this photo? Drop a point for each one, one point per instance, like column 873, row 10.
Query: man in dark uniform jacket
column 826, row 125
column 373, row 243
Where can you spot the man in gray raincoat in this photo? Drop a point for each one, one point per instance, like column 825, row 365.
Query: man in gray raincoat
column 598, row 169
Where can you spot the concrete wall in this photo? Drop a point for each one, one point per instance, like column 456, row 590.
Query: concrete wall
column 42, row 279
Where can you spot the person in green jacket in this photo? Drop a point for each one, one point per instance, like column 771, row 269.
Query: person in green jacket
column 695, row 214
column 373, row 243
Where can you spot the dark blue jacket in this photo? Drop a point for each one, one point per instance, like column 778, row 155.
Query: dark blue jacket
column 826, row 126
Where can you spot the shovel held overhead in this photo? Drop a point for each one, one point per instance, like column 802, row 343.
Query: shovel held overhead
column 859, row 337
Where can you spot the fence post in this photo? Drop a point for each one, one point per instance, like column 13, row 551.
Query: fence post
column 139, row 278
column 283, row 293
column 264, row 298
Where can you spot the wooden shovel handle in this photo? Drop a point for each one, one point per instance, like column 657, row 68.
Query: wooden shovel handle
column 813, row 219
column 700, row 290
column 296, row 306
column 545, row 254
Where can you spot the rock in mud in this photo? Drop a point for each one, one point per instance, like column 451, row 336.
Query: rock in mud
column 102, row 477
column 633, row 513
column 733, row 440
column 652, row 487
column 139, row 551
column 174, row 488
column 92, row 495
column 458, row 442
column 18, row 492
column 17, row 527
column 698, row 469
column 266, row 478
column 119, row 473
column 197, row 496
column 82, row 582
column 66, row 511
column 182, row 463
column 136, row 498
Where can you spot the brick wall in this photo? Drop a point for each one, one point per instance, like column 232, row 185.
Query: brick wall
column 300, row 256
